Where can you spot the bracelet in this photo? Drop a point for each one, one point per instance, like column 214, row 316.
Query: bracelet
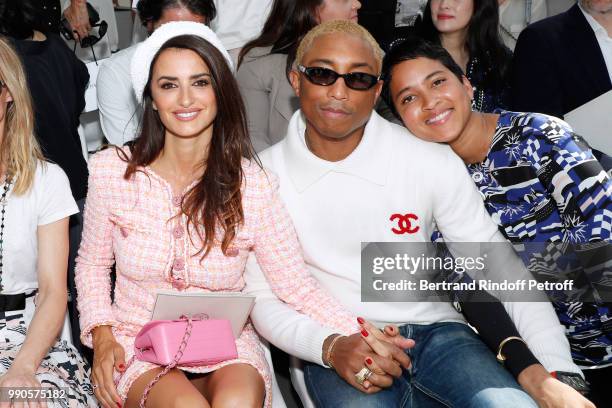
column 500, row 357
column 328, row 355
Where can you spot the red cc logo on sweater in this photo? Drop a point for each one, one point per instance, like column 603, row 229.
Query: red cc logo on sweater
column 404, row 223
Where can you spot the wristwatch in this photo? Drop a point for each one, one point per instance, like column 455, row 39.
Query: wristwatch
column 574, row 380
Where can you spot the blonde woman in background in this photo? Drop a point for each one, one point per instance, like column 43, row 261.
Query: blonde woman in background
column 35, row 205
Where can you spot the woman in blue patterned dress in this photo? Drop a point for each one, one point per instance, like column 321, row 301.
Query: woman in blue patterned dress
column 540, row 183
column 35, row 205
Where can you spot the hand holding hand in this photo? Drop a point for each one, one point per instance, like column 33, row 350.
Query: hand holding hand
column 351, row 354
column 382, row 353
column 387, row 344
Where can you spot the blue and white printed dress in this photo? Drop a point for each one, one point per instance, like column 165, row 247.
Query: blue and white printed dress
column 541, row 184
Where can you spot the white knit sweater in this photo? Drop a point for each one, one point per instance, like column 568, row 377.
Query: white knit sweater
column 337, row 205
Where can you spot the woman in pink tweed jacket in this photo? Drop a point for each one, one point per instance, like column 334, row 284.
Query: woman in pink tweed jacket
column 180, row 209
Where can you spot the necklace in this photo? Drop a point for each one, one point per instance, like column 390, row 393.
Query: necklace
column 3, row 202
column 478, row 101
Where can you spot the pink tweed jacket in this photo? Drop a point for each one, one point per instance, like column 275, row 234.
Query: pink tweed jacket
column 134, row 224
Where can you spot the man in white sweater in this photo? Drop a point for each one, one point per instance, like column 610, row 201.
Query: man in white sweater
column 343, row 172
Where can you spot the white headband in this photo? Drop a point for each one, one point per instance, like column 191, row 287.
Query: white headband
column 141, row 61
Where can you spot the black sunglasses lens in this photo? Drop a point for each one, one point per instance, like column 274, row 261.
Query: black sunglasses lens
column 321, row 76
column 102, row 29
column 360, row 80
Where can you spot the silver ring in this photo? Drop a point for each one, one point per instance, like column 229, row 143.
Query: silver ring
column 363, row 375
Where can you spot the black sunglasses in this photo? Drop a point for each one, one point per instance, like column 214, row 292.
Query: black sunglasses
column 359, row 81
column 85, row 42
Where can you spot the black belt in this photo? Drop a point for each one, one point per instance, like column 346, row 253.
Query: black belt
column 9, row 303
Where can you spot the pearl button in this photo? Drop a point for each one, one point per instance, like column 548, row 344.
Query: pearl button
column 477, row 177
column 178, row 264
column 178, row 232
column 178, row 283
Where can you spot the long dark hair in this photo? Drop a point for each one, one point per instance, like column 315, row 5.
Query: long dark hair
column 287, row 24
column 216, row 199
column 483, row 41
column 152, row 10
column 19, row 18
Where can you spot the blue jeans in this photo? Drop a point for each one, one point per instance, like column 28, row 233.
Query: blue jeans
column 451, row 367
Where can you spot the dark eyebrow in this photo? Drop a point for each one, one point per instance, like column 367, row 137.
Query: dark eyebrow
column 352, row 66
column 196, row 76
column 426, row 78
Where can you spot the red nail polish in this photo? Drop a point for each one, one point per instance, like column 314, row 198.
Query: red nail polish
column 122, row 366
column 365, row 333
column 119, row 404
column 360, row 320
column 368, row 361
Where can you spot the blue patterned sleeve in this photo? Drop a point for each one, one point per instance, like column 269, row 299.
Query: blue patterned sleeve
column 573, row 177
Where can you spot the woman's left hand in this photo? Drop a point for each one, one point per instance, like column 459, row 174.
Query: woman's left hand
column 20, row 378
column 549, row 392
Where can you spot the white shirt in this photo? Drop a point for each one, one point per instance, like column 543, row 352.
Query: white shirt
column 603, row 39
column 239, row 21
column 48, row 200
column 337, row 205
column 119, row 110
column 515, row 15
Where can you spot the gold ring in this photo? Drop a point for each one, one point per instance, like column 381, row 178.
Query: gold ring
column 363, row 375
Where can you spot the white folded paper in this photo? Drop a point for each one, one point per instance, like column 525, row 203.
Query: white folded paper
column 234, row 307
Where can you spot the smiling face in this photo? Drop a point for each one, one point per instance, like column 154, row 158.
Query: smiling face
column 336, row 111
column 432, row 102
column 338, row 10
column 451, row 16
column 183, row 95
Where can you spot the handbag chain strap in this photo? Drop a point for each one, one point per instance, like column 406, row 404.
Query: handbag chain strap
column 170, row 366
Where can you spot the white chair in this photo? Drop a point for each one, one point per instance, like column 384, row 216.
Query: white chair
column 277, row 396
column 299, row 384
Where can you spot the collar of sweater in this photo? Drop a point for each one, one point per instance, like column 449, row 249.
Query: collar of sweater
column 370, row 160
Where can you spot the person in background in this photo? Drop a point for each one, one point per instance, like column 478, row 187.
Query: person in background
column 564, row 61
column 265, row 62
column 119, row 110
column 35, row 203
column 388, row 20
column 180, row 209
column 469, row 30
column 75, row 12
column 541, row 184
column 238, row 22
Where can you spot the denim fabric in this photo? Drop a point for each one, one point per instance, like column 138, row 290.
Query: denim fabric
column 451, row 367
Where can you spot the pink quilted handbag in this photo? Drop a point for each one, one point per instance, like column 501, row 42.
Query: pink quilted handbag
column 187, row 342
